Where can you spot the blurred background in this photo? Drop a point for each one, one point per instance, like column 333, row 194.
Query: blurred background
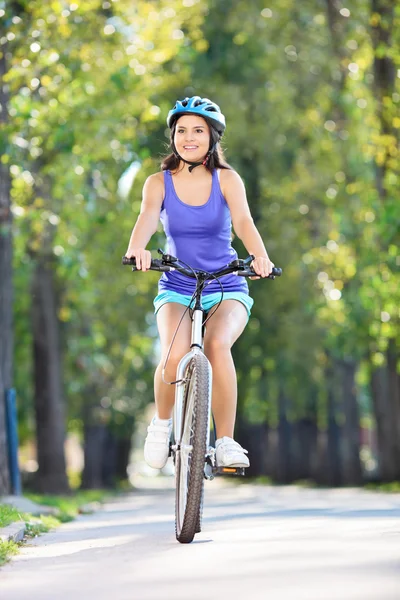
column 311, row 94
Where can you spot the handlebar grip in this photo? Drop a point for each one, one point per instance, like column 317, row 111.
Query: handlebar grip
column 155, row 265
column 276, row 272
column 129, row 261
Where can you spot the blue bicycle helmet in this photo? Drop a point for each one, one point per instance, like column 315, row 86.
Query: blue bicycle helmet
column 198, row 106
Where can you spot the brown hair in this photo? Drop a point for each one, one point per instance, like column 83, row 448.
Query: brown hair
column 216, row 159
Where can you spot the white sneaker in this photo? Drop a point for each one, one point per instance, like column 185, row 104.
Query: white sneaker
column 230, row 454
column 156, row 446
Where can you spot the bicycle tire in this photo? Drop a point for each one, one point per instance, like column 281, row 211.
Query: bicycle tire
column 189, row 464
column 199, row 519
column 200, row 514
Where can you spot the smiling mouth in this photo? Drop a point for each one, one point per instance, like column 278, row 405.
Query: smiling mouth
column 190, row 147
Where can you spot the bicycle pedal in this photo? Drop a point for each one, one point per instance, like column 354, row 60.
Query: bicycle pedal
column 233, row 471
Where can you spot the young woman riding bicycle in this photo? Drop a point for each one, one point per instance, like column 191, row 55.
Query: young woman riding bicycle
column 198, row 198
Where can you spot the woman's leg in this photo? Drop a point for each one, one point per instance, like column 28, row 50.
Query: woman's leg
column 222, row 330
column 168, row 318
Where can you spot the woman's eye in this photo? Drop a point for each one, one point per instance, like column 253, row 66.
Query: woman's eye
column 183, row 131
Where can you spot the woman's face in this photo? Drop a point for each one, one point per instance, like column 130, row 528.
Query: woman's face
column 192, row 137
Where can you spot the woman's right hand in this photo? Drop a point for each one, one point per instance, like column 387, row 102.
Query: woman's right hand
column 142, row 257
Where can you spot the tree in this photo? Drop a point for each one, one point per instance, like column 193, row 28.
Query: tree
column 81, row 115
column 6, row 287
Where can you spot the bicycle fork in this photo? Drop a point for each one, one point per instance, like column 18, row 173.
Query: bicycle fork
column 196, row 346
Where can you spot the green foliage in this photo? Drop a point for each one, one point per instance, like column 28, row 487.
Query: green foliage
column 304, row 133
column 313, row 137
column 392, row 488
column 68, row 507
column 80, row 114
column 38, row 525
column 8, row 515
column 7, row 549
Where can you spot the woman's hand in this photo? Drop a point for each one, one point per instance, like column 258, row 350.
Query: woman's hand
column 142, row 257
column 262, row 266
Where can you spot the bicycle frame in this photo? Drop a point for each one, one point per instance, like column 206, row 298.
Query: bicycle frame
column 171, row 263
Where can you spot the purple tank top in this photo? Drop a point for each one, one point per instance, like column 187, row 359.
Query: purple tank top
column 200, row 236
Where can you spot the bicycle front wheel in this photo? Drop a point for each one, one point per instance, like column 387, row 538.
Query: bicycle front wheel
column 190, row 456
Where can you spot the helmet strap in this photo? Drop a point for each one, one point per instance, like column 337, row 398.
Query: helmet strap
column 192, row 164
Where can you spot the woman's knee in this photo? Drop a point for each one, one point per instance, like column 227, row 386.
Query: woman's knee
column 173, row 361
column 215, row 345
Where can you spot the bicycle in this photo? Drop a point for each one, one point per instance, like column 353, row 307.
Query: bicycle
column 193, row 455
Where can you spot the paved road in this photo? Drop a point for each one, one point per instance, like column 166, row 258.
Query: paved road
column 258, row 543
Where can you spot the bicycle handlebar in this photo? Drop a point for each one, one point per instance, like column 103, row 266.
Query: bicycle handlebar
column 170, row 263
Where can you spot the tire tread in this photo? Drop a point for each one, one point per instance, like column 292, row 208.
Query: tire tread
column 192, row 517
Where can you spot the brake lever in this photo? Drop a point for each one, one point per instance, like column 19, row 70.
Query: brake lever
column 249, row 259
column 241, row 264
column 167, row 258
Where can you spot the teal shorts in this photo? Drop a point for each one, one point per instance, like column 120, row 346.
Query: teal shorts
column 208, row 300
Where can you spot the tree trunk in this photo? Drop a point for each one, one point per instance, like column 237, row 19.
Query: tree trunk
column 49, row 408
column 106, row 457
column 271, row 466
column 253, row 437
column 124, row 446
column 95, row 436
column 302, row 449
column 320, row 462
column 326, row 466
column 385, row 386
column 284, row 435
column 351, row 472
column 392, row 355
column 384, row 79
column 109, row 460
column 99, row 446
column 327, row 463
column 388, row 458
column 6, row 288
column 334, row 468
column 384, row 381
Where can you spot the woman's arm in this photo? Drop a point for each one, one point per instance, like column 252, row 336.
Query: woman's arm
column 147, row 221
column 234, row 192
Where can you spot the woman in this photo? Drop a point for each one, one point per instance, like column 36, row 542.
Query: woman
column 197, row 196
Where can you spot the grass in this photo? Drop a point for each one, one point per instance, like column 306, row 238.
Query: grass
column 37, row 525
column 70, row 506
column 8, row 514
column 392, row 488
column 7, row 549
column 67, row 508
column 34, row 526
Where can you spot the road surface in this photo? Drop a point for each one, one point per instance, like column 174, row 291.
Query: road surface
column 258, row 543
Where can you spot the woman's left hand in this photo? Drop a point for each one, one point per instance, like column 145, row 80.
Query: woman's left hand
column 262, row 266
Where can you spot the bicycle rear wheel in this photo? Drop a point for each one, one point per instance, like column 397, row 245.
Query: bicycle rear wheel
column 190, row 456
